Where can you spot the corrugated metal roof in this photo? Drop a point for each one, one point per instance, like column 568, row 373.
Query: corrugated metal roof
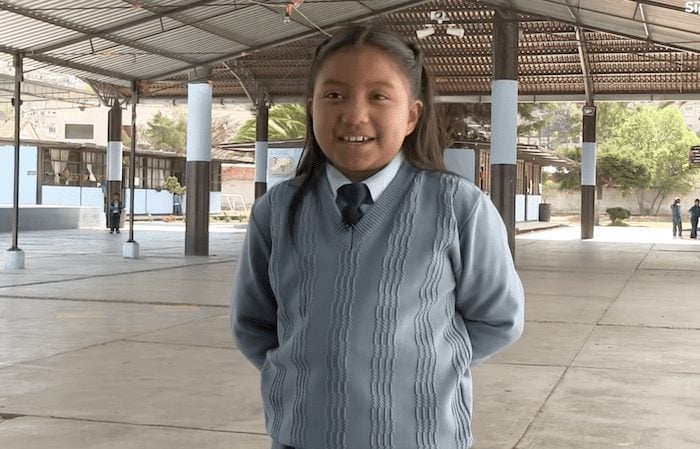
column 249, row 43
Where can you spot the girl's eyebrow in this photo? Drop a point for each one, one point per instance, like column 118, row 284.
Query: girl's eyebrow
column 332, row 82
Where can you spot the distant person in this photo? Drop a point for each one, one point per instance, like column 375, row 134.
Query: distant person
column 115, row 213
column 676, row 217
column 694, row 214
column 371, row 283
column 177, row 204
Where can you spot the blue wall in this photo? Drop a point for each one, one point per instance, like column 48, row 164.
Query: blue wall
column 27, row 174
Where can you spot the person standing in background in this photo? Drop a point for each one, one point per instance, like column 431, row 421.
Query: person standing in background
column 694, row 214
column 115, row 213
column 676, row 217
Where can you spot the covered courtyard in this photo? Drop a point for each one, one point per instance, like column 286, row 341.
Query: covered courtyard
column 99, row 351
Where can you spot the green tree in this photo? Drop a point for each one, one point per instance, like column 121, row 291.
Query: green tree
column 172, row 185
column 285, row 122
column 659, row 139
column 641, row 149
column 164, row 133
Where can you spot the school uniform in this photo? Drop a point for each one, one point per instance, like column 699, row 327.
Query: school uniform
column 365, row 334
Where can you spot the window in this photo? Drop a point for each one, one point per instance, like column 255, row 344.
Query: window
column 151, row 172
column 520, row 178
column 138, row 175
column 74, row 131
column 157, row 169
column 93, row 169
column 61, row 167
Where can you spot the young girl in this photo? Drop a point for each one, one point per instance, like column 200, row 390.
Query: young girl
column 364, row 311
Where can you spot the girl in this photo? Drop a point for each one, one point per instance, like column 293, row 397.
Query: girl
column 371, row 283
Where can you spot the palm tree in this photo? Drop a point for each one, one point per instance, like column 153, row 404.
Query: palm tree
column 285, row 122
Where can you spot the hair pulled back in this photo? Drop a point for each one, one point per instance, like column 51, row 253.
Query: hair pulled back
column 421, row 148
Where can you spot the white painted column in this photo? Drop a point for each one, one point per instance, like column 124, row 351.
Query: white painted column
column 588, row 172
column 199, row 97
column 261, row 136
column 504, row 118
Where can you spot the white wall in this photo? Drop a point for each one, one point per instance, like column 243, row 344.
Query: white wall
column 570, row 202
column 150, row 201
column 60, row 195
column 72, row 196
column 97, row 117
column 27, row 174
column 533, row 207
column 239, row 187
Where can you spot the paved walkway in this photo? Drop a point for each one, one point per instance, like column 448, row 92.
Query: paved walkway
column 99, row 351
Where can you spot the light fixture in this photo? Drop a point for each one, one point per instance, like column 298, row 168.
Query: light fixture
column 452, row 30
column 440, row 16
column 429, row 30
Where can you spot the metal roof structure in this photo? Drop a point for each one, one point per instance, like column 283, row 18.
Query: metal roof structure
column 42, row 91
column 613, row 49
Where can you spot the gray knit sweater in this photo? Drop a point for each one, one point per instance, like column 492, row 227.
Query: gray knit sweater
column 365, row 335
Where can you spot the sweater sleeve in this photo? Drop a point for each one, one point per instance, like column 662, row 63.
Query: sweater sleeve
column 253, row 304
column 490, row 296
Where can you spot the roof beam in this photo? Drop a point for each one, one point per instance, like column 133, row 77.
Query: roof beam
column 46, row 91
column 182, row 18
column 674, row 46
column 116, row 76
column 662, row 5
column 255, row 91
column 89, row 33
column 640, row 8
column 249, row 50
column 585, row 65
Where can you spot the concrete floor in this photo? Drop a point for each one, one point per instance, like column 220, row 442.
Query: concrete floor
column 97, row 351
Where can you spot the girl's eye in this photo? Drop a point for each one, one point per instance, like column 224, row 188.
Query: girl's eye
column 380, row 97
column 333, row 96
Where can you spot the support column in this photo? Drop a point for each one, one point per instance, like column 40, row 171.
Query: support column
column 588, row 172
column 14, row 256
column 198, row 163
column 261, row 135
column 130, row 250
column 114, row 155
column 504, row 119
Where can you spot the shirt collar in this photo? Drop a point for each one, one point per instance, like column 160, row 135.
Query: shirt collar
column 376, row 183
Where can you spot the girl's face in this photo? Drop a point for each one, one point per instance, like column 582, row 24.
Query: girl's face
column 362, row 109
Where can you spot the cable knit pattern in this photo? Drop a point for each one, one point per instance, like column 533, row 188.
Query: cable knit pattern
column 337, row 354
column 307, row 247
column 387, row 319
column 275, row 399
column 365, row 335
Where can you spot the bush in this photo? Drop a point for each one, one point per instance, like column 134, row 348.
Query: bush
column 617, row 214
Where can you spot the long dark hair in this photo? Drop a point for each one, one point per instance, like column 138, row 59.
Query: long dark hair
column 421, row 148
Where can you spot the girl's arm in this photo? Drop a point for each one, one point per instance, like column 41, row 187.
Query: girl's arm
column 253, row 305
column 490, row 296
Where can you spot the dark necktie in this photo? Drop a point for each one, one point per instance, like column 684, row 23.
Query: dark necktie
column 350, row 198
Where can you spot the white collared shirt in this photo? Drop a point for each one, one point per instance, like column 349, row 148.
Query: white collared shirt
column 376, row 183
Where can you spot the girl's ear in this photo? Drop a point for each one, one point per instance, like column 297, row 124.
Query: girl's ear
column 308, row 106
column 413, row 116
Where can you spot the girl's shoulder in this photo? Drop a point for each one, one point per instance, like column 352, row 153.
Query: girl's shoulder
column 462, row 194
column 454, row 183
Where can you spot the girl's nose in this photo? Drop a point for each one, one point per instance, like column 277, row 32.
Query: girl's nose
column 355, row 111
